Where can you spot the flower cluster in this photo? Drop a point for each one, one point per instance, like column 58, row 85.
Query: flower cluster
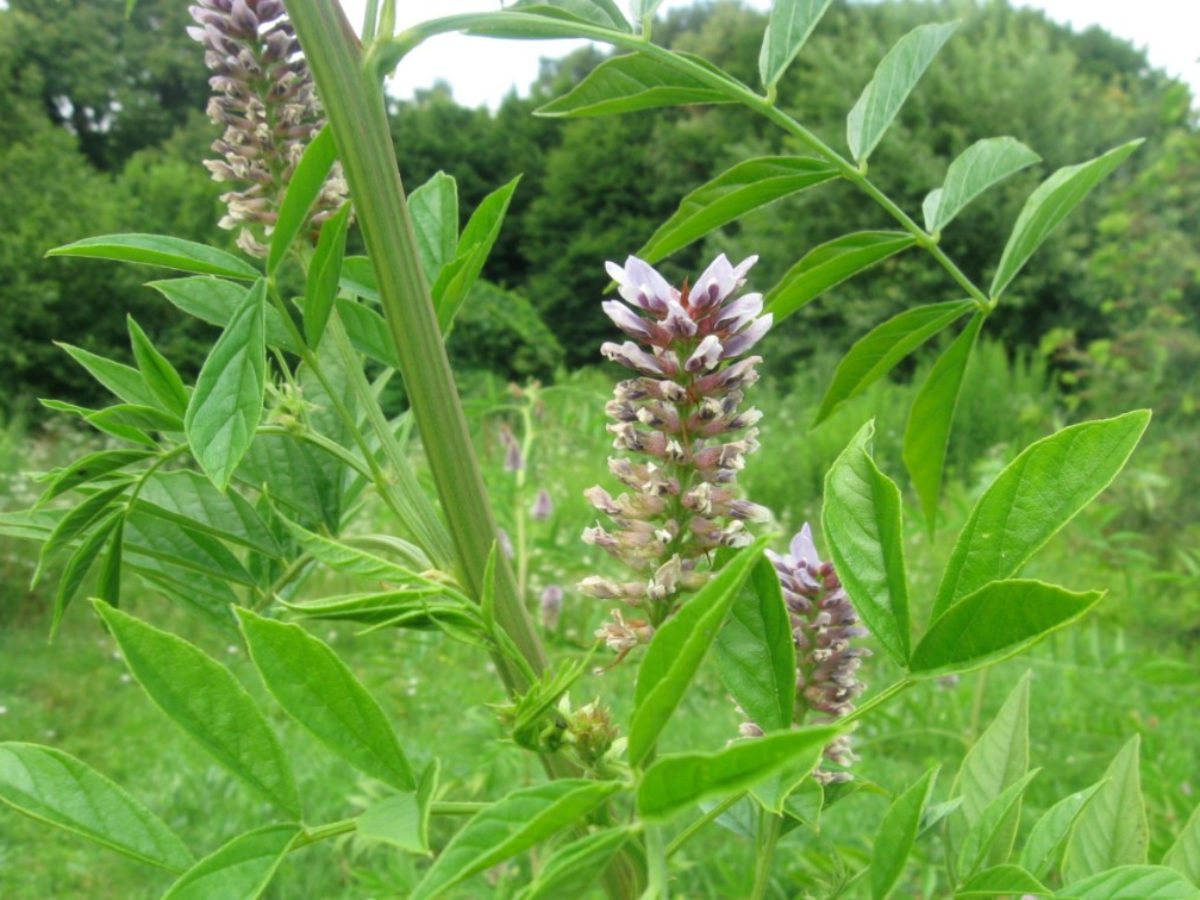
column 265, row 98
column 681, row 414
column 824, row 624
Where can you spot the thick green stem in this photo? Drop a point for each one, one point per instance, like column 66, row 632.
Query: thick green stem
column 769, row 826
column 353, row 100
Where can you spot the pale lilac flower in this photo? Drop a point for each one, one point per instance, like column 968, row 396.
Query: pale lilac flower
column 543, row 506
column 264, row 96
column 551, row 606
column 681, row 412
column 514, row 459
column 506, row 544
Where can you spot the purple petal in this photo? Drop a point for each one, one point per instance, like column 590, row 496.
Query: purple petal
column 705, row 356
column 714, row 284
column 739, row 312
column 678, row 323
column 803, row 549
column 626, row 319
column 631, row 355
column 640, row 285
column 742, row 342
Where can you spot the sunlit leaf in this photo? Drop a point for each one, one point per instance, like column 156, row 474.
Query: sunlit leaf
column 629, row 83
column 979, row 167
column 157, row 372
column 789, row 26
column 216, row 301
column 123, row 381
column 596, row 12
column 897, row 834
column 1184, row 855
column 303, row 188
column 1044, row 846
column 160, row 250
column 434, row 210
column 402, row 820
column 1112, row 830
column 575, row 867
column 241, row 868
column 991, row 837
column 1006, row 880
column 324, row 272
column 1132, row 883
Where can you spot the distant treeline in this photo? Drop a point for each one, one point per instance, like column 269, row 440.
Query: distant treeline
column 102, row 129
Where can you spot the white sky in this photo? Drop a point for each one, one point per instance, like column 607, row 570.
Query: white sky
column 482, row 70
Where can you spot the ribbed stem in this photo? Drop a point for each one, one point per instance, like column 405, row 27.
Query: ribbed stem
column 353, row 101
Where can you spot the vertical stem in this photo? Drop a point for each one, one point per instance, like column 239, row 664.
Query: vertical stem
column 354, row 103
column 656, row 863
column 769, row 826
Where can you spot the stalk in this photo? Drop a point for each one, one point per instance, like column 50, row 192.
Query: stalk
column 353, row 101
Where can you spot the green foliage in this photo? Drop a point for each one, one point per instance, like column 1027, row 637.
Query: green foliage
column 501, row 331
column 241, row 868
column 897, row 834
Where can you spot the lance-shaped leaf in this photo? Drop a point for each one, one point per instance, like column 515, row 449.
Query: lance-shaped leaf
column 319, row 691
column 861, row 519
column 478, row 236
column 75, row 523
column 302, row 190
column 1132, row 883
column 108, row 578
column 1184, row 855
column 434, row 210
column 511, row 825
column 643, row 8
column 157, row 372
column 830, row 264
column 679, row 780
column 242, row 868
column 368, row 331
column 755, row 652
column 997, row 621
column 897, row 834
column 995, row 762
column 60, row 790
column 575, row 867
column 123, row 381
column 789, row 26
column 595, row 12
column 1049, row 205
column 875, row 354
column 160, row 250
column 1005, row 880
column 983, row 164
column 927, row 433
column 342, row 557
column 895, row 77
column 991, row 836
column 227, row 402
column 78, row 565
column 677, row 648
column 129, row 415
column 1112, row 830
column 89, row 468
column 215, row 301
column 402, row 820
column 323, row 274
column 1033, row 498
column 1043, row 848
column 629, row 83
column 749, row 185
column 204, row 699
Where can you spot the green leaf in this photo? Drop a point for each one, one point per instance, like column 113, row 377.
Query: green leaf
column 89, row 468
column 575, row 867
column 979, row 167
column 108, row 579
column 358, row 275
column 1112, row 830
column 596, row 12
column 434, row 209
column 129, row 415
column 349, row 560
column 323, row 274
column 997, row 621
column 474, row 245
column 123, row 381
column 319, row 691
column 677, row 648
column 160, row 250
column 1132, row 883
column 643, row 9
column 510, row 825
column 368, row 331
column 791, row 22
column 240, row 869
column 629, row 83
column 755, row 652
column 204, row 699
column 1184, row 855
column 402, row 820
column 749, row 185
column 897, row 834
column 216, row 302
column 861, row 518
column 874, row 355
column 830, row 264
column 1049, row 205
column 679, row 780
column 157, row 372
column 121, row 432
column 1043, row 848
column 303, row 189
column 228, row 400
column 60, row 790
column 991, row 837
column 995, row 762
column 77, row 567
column 895, row 77
column 1033, row 498
column 927, row 433
column 75, row 523
column 1006, row 880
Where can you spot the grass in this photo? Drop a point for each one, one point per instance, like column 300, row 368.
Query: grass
column 1131, row 668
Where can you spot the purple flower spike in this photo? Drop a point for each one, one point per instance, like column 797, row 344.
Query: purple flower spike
column 681, row 413
column 543, row 506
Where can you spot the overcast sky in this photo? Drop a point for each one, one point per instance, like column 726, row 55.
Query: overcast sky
column 482, row 70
